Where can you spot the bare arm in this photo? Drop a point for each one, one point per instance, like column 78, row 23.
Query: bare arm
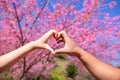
column 99, row 69
column 7, row 60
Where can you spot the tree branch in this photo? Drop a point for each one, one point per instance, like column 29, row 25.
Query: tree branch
column 21, row 38
column 19, row 25
column 37, row 16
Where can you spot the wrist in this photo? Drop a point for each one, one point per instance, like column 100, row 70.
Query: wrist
column 76, row 52
column 79, row 52
column 33, row 44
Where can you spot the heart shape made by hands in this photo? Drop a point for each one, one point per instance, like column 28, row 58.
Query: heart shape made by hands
column 56, row 41
column 69, row 47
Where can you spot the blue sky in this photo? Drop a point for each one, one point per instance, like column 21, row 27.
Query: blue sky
column 116, row 10
column 113, row 12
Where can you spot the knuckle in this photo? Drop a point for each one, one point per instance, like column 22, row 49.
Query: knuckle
column 63, row 32
column 53, row 30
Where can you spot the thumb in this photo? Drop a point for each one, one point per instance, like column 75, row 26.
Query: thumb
column 49, row 48
column 60, row 51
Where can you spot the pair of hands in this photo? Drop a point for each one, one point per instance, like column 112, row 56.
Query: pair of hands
column 69, row 46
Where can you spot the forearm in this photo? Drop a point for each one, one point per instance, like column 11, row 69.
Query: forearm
column 11, row 58
column 99, row 69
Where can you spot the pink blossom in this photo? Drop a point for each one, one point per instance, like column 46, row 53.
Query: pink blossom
column 84, row 26
column 112, row 4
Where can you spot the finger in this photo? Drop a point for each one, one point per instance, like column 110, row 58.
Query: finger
column 49, row 48
column 62, row 50
column 55, row 35
column 60, row 40
column 49, row 34
column 60, row 34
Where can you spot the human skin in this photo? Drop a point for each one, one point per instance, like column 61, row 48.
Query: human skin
column 9, row 59
column 98, row 68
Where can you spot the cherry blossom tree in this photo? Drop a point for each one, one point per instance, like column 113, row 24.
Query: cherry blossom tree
column 22, row 21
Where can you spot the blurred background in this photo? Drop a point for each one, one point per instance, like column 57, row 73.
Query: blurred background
column 94, row 25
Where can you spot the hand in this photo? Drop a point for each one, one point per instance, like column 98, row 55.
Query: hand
column 70, row 47
column 42, row 42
